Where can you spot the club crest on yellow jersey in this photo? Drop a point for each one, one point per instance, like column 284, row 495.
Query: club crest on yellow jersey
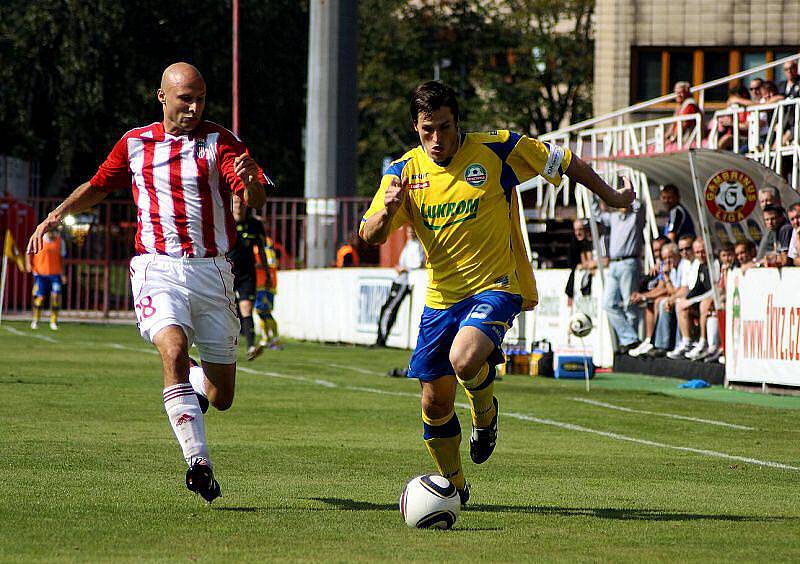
column 475, row 175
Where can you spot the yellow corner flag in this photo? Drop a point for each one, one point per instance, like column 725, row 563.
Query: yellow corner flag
column 11, row 251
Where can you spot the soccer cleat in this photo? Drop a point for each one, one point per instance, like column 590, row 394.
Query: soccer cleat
column 200, row 480
column 53, row 326
column 254, row 351
column 464, row 494
column 482, row 441
column 263, row 343
column 714, row 356
column 34, row 324
column 642, row 349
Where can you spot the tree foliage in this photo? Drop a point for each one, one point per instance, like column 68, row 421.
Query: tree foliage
column 520, row 64
column 74, row 76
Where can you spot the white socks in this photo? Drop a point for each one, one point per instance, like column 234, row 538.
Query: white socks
column 712, row 330
column 197, row 378
column 186, row 418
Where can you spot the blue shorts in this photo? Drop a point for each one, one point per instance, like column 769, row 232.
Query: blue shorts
column 492, row 312
column 44, row 285
column 264, row 301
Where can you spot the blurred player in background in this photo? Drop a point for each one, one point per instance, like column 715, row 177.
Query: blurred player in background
column 182, row 171
column 458, row 191
column 48, row 276
column 249, row 240
column 266, row 288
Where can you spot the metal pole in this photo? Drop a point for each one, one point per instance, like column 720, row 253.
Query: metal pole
column 236, row 67
column 706, row 233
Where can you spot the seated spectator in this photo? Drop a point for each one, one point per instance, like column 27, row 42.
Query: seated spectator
column 677, row 288
column 752, row 98
column 708, row 314
column 654, row 297
column 768, row 196
column 725, row 124
column 775, row 243
column 650, row 280
column 622, row 279
column 745, row 255
column 687, row 306
column 679, row 222
column 794, row 244
column 580, row 259
column 686, row 106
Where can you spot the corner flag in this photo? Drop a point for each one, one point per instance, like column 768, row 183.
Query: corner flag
column 11, row 251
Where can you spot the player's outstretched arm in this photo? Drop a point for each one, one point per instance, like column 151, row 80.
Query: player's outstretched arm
column 377, row 227
column 85, row 196
column 581, row 172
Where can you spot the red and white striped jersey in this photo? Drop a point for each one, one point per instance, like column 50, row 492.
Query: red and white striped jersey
column 181, row 185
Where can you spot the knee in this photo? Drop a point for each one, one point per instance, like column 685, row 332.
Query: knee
column 436, row 407
column 466, row 364
column 175, row 355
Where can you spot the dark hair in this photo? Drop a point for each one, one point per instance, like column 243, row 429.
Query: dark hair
column 429, row 97
column 727, row 247
column 686, row 238
column 774, row 209
column 672, row 188
column 740, row 90
column 795, row 206
column 769, row 86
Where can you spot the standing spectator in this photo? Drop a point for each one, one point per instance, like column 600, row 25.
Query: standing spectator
column 580, row 260
column 686, row 307
column 180, row 278
column 686, row 106
column 412, row 257
column 794, row 243
column 679, row 222
column 625, row 254
column 790, row 88
column 48, row 276
column 776, row 241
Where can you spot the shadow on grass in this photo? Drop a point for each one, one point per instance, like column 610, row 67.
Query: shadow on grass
column 237, row 509
column 619, row 514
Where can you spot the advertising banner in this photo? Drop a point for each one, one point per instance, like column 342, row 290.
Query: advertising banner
column 762, row 341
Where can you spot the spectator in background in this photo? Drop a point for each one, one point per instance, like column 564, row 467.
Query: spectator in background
column 411, row 258
column 775, row 243
column 750, row 98
column 676, row 289
column 700, row 288
column 790, row 88
column 686, row 106
column 679, row 222
column 580, row 259
column 654, row 297
column 625, row 267
column 347, row 254
column 768, row 196
column 745, row 255
column 794, row 242
column 725, row 124
column 708, row 313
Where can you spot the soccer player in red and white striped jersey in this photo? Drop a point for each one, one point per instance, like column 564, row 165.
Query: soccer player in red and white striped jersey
column 182, row 172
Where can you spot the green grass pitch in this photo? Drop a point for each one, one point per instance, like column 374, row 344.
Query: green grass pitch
column 315, row 451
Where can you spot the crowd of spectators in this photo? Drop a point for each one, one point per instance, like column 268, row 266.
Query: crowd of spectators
column 676, row 297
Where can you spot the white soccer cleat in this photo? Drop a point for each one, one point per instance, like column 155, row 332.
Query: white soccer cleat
column 644, row 348
column 679, row 351
column 53, row 326
column 698, row 352
column 34, row 324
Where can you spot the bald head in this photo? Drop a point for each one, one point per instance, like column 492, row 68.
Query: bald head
column 183, row 97
column 179, row 74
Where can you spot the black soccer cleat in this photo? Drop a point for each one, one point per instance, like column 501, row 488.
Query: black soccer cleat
column 200, row 480
column 482, row 441
column 464, row 494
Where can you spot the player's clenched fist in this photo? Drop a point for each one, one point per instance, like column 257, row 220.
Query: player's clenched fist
column 395, row 193
column 245, row 168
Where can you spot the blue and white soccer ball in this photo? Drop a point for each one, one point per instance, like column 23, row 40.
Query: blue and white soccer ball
column 580, row 325
column 430, row 502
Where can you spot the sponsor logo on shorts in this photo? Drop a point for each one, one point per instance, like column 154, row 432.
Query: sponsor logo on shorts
column 475, row 175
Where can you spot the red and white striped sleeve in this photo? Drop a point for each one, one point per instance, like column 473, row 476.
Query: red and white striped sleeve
column 114, row 173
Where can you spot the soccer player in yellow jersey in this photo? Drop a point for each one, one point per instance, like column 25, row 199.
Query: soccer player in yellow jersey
column 458, row 192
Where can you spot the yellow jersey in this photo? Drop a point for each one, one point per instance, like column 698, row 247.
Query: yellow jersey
column 464, row 211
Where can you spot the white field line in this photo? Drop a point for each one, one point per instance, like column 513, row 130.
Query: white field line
column 661, row 414
column 342, row 366
column 31, row 335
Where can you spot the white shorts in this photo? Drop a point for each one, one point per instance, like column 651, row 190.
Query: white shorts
column 193, row 293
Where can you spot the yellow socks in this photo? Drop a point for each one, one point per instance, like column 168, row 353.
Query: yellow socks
column 443, row 439
column 480, row 391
